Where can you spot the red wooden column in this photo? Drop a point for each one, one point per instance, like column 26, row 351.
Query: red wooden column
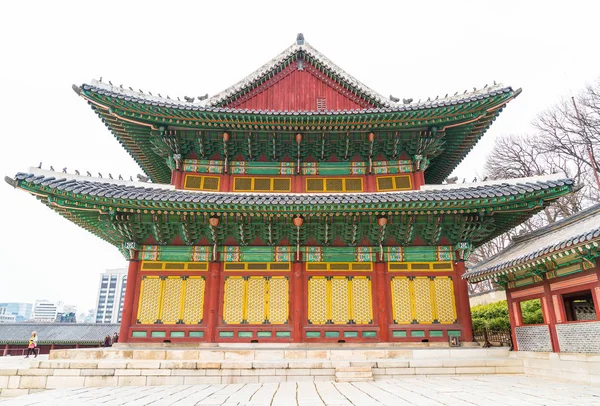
column 127, row 318
column 5, row 352
column 213, row 285
column 463, row 307
column 514, row 318
column 380, row 301
column 549, row 313
column 418, row 179
column 596, row 291
column 297, row 301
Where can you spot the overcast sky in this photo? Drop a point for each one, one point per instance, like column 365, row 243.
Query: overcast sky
column 408, row 49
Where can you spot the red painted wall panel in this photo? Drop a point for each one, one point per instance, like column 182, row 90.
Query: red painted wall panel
column 297, row 90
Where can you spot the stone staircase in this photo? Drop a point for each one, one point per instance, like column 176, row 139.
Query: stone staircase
column 353, row 374
column 256, row 364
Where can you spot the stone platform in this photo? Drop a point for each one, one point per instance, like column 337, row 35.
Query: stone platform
column 256, row 363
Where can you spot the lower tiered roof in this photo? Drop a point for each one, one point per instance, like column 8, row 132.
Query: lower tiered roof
column 121, row 211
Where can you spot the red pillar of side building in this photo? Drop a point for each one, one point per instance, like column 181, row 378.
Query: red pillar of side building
column 297, row 301
column 129, row 300
column 463, row 307
column 550, row 315
column 211, row 310
column 514, row 316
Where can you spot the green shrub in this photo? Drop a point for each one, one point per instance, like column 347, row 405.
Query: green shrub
column 494, row 316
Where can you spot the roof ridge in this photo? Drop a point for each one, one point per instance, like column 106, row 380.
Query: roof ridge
column 559, row 224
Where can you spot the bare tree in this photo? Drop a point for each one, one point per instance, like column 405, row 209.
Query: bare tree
column 567, row 143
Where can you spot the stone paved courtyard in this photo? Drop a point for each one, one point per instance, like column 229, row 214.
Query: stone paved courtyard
column 426, row 390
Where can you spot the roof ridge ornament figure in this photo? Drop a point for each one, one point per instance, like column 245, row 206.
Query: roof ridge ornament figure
column 300, row 39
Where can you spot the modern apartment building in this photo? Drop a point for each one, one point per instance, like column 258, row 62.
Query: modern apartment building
column 111, row 292
column 21, row 311
column 5, row 316
column 45, row 311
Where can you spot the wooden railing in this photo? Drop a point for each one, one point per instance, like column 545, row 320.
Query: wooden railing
column 493, row 338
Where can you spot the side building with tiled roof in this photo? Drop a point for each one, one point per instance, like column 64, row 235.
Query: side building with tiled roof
column 559, row 266
column 298, row 205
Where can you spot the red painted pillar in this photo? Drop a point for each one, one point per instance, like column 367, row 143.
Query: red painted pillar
column 226, row 183
column 5, row 352
column 297, row 302
column 550, row 315
column 418, row 179
column 463, row 307
column 380, row 301
column 370, row 184
column 213, row 286
column 596, row 291
column 513, row 318
column 127, row 318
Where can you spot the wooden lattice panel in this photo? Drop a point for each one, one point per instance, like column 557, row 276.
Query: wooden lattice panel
column 235, row 298
column 340, row 303
column 256, row 300
column 361, row 300
column 149, row 306
column 193, row 307
column 423, row 302
column 444, row 299
column 171, row 302
column 401, row 300
column 317, row 300
column 278, row 300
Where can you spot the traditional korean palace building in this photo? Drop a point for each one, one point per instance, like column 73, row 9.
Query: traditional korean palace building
column 298, row 205
column 559, row 265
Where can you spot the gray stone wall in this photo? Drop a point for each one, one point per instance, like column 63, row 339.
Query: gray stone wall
column 579, row 337
column 533, row 338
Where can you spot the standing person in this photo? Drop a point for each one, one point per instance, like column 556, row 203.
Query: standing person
column 33, row 340
column 107, row 341
column 115, row 338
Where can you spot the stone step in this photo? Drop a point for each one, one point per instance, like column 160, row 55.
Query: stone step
column 353, row 374
column 353, row 369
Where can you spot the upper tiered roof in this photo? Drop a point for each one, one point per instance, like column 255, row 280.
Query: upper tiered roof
column 139, row 119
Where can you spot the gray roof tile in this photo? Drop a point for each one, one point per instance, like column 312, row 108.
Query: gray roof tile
column 56, row 333
column 577, row 229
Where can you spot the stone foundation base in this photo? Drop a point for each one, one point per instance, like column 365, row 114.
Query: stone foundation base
column 139, row 367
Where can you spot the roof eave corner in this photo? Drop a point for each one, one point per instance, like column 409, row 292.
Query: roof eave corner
column 13, row 182
column 76, row 89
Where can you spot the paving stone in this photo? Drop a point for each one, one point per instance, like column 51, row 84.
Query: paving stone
column 489, row 390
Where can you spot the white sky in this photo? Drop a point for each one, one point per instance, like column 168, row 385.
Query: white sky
column 408, row 49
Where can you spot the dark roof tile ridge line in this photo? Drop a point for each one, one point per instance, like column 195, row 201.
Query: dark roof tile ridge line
column 580, row 215
column 392, row 108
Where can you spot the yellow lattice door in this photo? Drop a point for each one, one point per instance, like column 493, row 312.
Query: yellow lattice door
column 423, row 299
column 193, row 307
column 278, row 300
column 171, row 300
column 362, row 312
column 317, row 300
column 235, row 299
column 340, row 303
column 401, row 300
column 256, row 300
column 444, row 299
column 149, row 305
